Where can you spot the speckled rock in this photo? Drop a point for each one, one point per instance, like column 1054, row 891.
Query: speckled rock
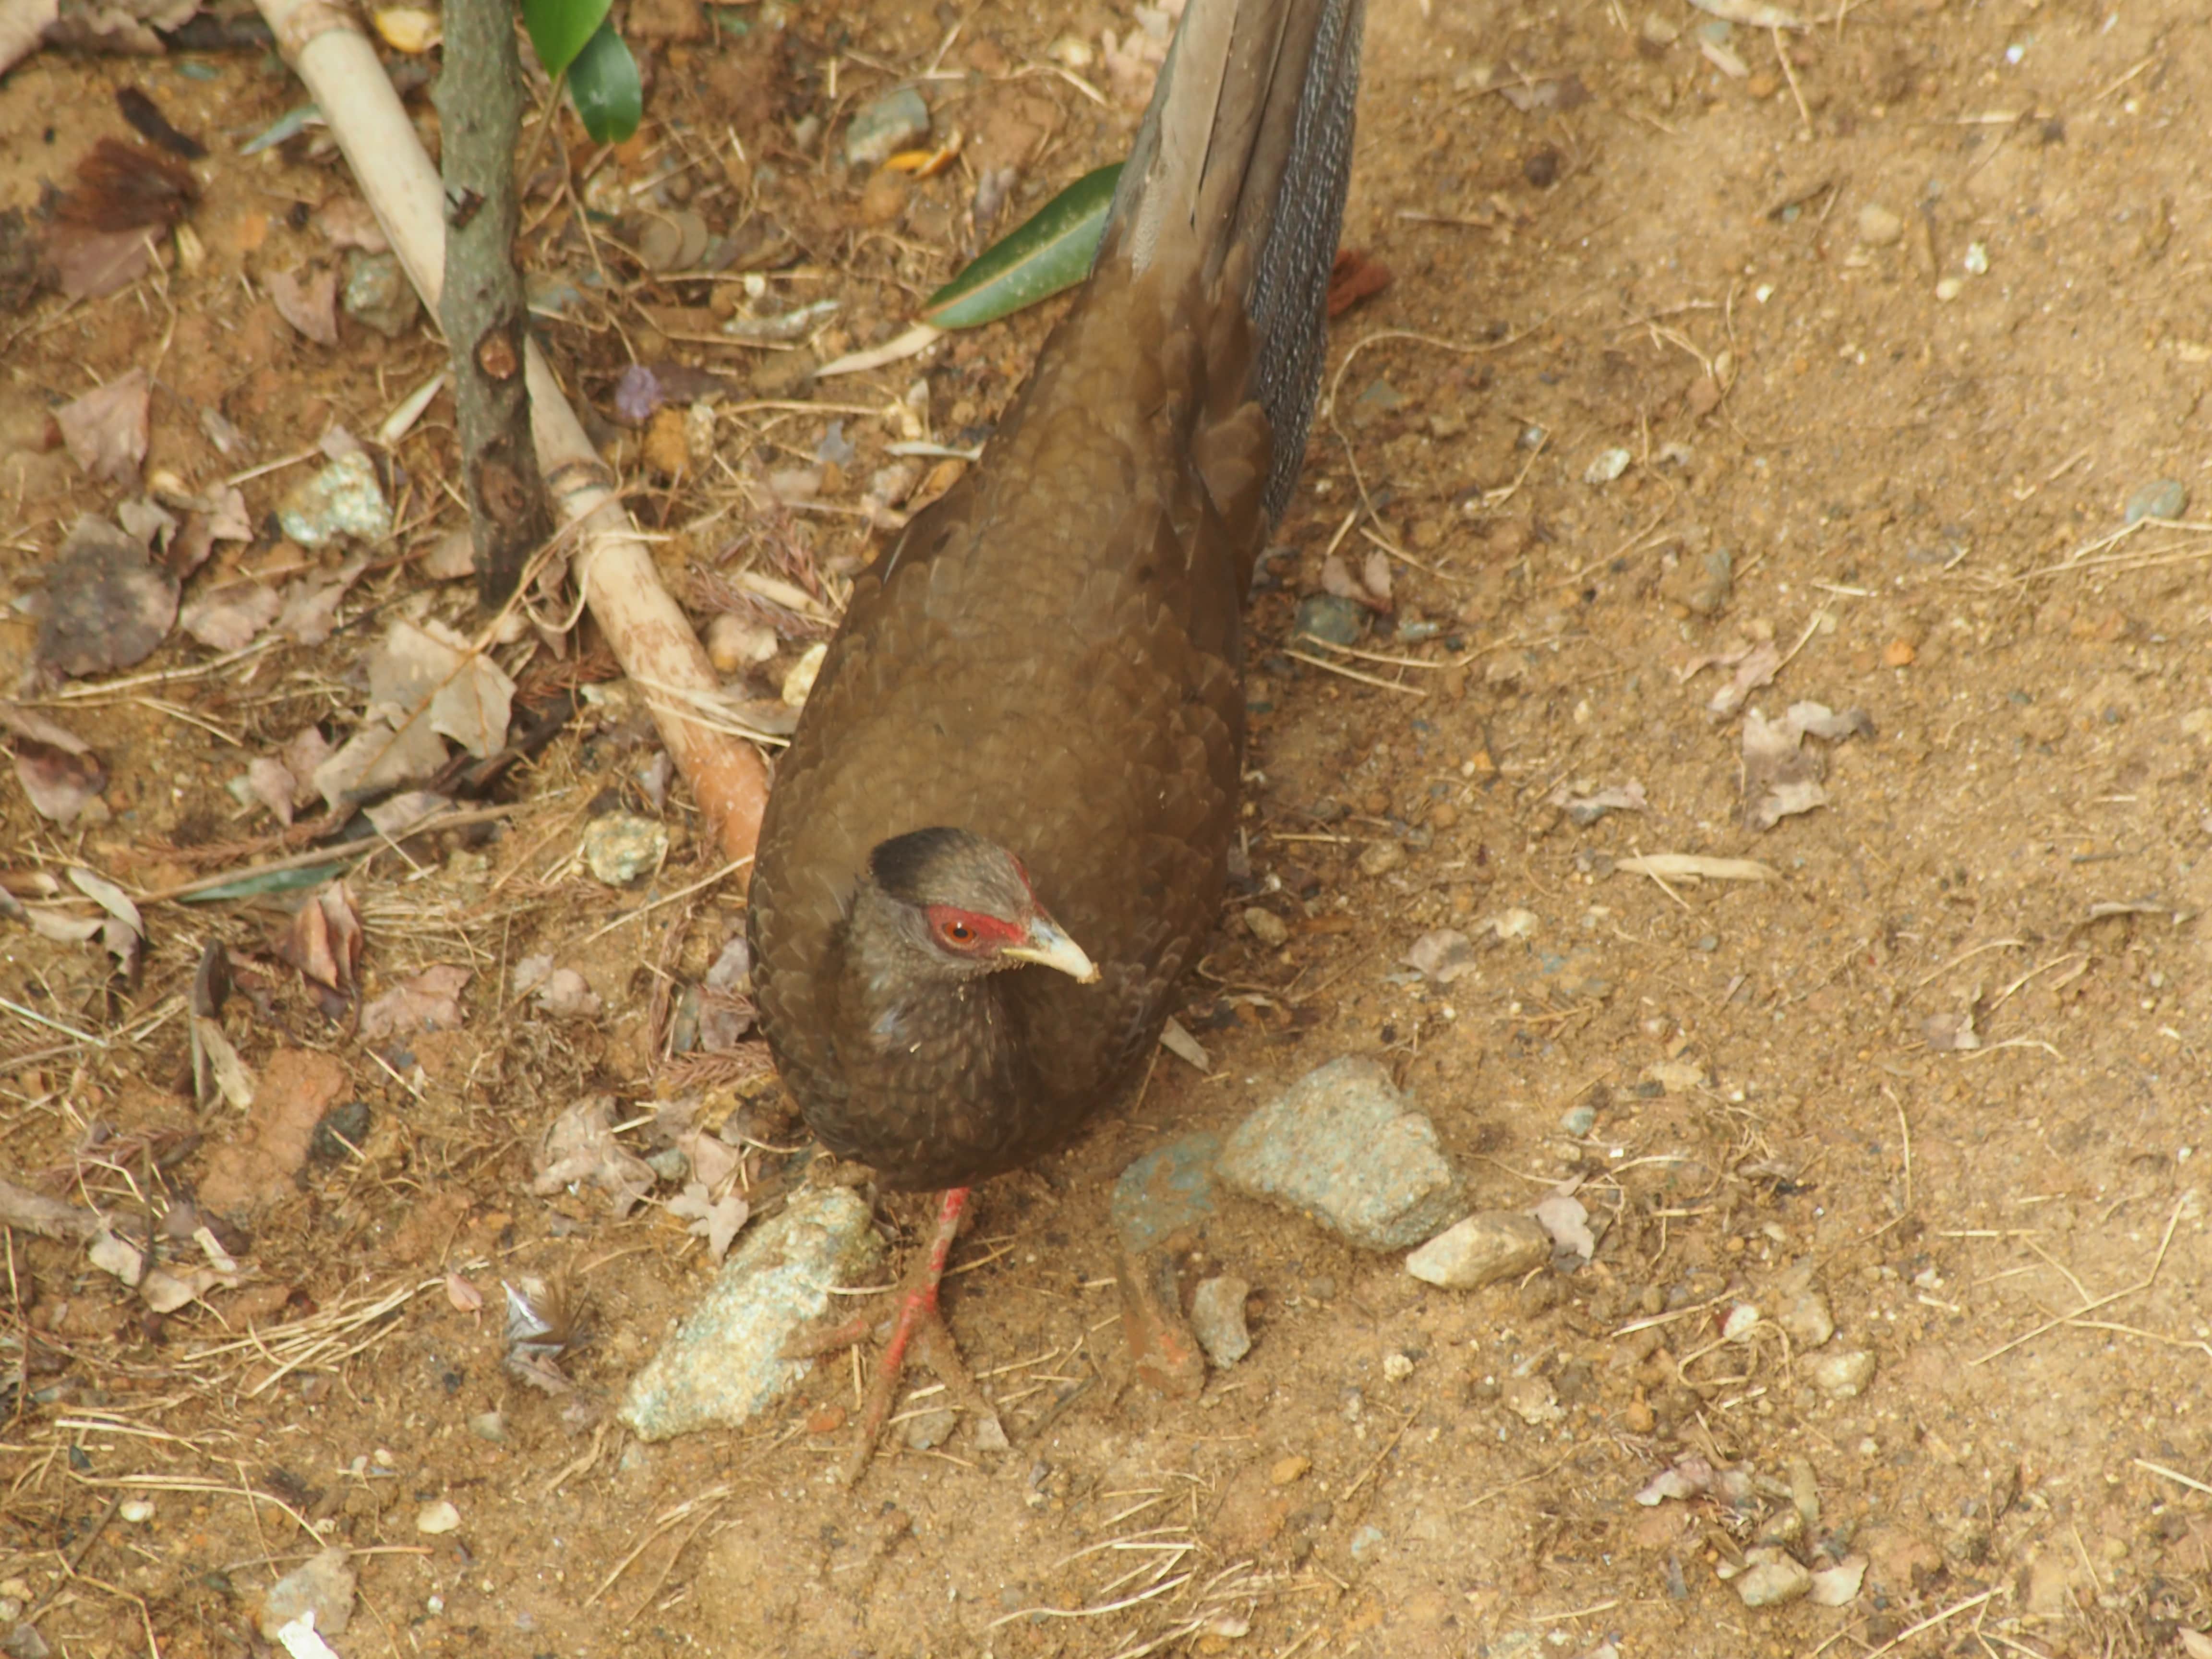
column 1344, row 1147
column 344, row 499
column 1217, row 1316
column 1167, row 1190
column 886, row 125
column 725, row 1360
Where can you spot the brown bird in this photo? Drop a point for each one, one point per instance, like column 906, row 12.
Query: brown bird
column 1000, row 832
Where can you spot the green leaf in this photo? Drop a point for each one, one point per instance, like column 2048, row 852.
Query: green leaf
column 560, row 29
column 1050, row 251
column 603, row 82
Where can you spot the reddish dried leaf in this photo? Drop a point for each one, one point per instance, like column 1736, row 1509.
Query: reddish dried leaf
column 1353, row 278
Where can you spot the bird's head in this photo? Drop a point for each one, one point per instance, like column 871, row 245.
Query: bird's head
column 962, row 907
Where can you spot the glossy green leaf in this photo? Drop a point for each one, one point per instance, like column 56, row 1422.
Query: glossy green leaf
column 603, row 82
column 1050, row 251
column 560, row 29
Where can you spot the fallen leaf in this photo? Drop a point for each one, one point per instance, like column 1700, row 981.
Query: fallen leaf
column 1585, row 804
column 717, row 1220
column 462, row 1296
column 273, row 785
column 348, row 223
column 106, row 430
column 398, row 814
column 309, row 303
column 428, row 1001
column 311, row 604
column 1781, row 777
column 215, row 1058
column 324, row 942
column 228, row 618
column 579, row 1148
column 1756, row 669
column 1353, row 276
column 114, row 1255
column 91, row 264
column 1564, row 1217
column 107, row 607
column 58, row 771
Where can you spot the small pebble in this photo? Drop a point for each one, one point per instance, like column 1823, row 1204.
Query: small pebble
column 324, row 1586
column 1217, row 1316
column 378, row 294
column 886, row 125
column 433, row 1520
column 1898, row 654
column 2161, row 498
column 1264, row 925
column 136, row 1510
column 1578, row 1121
column 1397, row 1367
column 1381, row 858
column 1702, row 587
column 1287, row 1470
column 931, row 1429
column 1482, row 1249
column 620, row 847
column 1609, row 465
column 1950, row 289
column 1842, row 1375
column 1771, row 1578
column 1977, row 260
column 488, row 1425
column 735, row 643
column 1741, row 1318
column 800, row 680
column 1879, row 227
column 826, row 1419
column 1809, row 1321
column 1365, row 1542
column 1330, row 618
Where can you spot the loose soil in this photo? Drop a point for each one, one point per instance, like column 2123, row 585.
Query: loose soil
column 1896, row 312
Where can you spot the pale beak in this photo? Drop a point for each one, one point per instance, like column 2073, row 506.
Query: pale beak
column 1048, row 947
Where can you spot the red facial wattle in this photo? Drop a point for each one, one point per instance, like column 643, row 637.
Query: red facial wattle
column 970, row 932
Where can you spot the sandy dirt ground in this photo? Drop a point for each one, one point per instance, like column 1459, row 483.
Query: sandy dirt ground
column 1720, row 371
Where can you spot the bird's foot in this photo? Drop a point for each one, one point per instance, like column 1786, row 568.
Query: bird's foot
column 918, row 1327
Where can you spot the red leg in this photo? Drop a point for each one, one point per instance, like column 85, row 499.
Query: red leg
column 918, row 1326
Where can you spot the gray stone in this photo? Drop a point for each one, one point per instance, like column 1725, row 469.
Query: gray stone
column 1217, row 1316
column 725, row 1362
column 377, row 293
column 1809, row 1321
column 1770, row 1578
column 1578, row 1121
column 325, row 1586
column 1842, row 1375
column 1168, row 1189
column 1346, row 1148
column 1482, row 1249
column 884, row 127
column 931, row 1429
column 1329, row 618
column 2161, row 498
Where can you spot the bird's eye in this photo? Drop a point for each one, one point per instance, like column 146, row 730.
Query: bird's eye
column 959, row 933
